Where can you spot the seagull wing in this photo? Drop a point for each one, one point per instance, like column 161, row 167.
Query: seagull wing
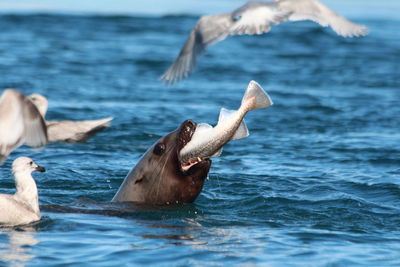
column 74, row 131
column 208, row 30
column 20, row 121
column 15, row 212
column 11, row 122
column 35, row 131
column 252, row 18
column 318, row 12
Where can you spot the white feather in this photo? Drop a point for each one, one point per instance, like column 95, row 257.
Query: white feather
column 253, row 18
column 20, row 122
column 23, row 206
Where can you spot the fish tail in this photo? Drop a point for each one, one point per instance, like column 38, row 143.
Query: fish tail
column 255, row 97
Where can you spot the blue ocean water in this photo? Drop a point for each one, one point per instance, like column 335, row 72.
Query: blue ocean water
column 317, row 182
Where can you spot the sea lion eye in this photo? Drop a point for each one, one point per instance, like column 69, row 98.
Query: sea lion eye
column 159, row 149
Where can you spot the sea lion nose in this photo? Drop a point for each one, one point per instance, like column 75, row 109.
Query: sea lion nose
column 188, row 126
column 189, row 123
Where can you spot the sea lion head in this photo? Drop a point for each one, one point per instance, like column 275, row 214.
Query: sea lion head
column 158, row 177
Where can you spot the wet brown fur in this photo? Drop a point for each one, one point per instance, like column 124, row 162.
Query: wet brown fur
column 158, row 179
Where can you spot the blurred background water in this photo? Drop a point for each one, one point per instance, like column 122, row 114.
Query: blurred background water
column 316, row 183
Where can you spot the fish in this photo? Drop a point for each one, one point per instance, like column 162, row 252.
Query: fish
column 207, row 141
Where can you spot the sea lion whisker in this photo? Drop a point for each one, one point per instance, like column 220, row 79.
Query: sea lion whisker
column 159, row 176
column 160, row 170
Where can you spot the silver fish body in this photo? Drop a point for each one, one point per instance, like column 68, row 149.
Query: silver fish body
column 207, row 141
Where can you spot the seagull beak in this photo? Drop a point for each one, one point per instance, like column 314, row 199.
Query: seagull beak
column 40, row 169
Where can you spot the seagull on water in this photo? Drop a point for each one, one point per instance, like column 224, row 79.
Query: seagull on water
column 22, row 207
column 253, row 18
column 20, row 123
column 68, row 131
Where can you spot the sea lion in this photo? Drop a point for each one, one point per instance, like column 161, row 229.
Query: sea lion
column 173, row 170
column 158, row 177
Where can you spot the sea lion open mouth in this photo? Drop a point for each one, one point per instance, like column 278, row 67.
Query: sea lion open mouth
column 159, row 178
column 186, row 132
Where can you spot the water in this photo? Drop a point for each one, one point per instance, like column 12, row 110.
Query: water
column 316, row 183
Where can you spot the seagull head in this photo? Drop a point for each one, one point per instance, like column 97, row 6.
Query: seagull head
column 26, row 165
column 40, row 102
column 236, row 17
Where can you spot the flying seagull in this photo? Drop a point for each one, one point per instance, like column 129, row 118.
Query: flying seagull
column 20, row 123
column 254, row 18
